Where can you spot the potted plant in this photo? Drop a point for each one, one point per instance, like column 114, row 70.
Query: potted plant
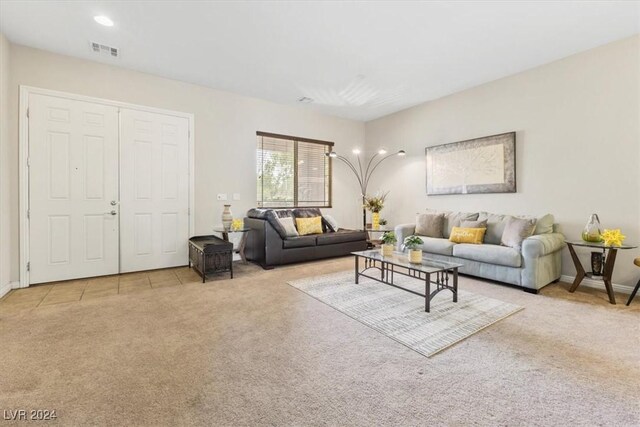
column 374, row 205
column 388, row 241
column 412, row 243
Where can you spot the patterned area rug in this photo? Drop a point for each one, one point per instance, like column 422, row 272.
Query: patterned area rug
column 400, row 315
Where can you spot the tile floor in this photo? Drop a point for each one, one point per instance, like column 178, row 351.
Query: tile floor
column 98, row 287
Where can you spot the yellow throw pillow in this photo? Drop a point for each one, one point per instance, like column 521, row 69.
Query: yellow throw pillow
column 309, row 225
column 467, row 235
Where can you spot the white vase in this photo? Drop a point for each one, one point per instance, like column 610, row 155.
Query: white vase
column 387, row 250
column 415, row 256
column 227, row 217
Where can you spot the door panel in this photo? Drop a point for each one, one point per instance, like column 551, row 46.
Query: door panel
column 154, row 172
column 73, row 177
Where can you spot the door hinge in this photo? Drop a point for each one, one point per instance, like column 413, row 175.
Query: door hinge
column 27, row 112
column 29, row 214
column 29, row 266
column 28, row 161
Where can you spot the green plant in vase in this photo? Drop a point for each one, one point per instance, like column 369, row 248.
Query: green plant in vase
column 374, row 205
column 389, row 240
column 412, row 243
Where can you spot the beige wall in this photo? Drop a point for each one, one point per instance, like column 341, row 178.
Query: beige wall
column 5, row 247
column 578, row 145
column 225, row 130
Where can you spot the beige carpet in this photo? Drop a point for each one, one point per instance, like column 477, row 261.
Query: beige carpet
column 255, row 351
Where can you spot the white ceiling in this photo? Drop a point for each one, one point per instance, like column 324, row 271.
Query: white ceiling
column 359, row 60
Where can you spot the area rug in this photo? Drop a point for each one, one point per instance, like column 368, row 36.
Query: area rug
column 400, row 315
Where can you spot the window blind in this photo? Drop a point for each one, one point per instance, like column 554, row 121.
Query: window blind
column 292, row 172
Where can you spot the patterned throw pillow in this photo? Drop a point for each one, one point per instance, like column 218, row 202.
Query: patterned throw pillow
column 309, row 225
column 467, row 235
column 288, row 226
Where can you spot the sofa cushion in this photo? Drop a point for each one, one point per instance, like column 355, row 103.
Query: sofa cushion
column 299, row 242
column 467, row 235
column 330, row 222
column 491, row 254
column 430, row 224
column 341, row 236
column 312, row 213
column 436, row 246
column 474, row 224
column 308, row 226
column 495, row 227
column 544, row 224
column 453, row 219
column 288, row 226
column 516, row 230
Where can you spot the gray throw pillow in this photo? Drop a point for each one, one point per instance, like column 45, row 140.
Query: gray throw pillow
column 331, row 222
column 454, row 219
column 495, row 227
column 430, row 225
column 474, row 224
column 516, row 230
column 544, row 225
column 289, row 226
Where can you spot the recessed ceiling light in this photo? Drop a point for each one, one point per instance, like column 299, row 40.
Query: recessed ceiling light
column 103, row 20
column 382, row 151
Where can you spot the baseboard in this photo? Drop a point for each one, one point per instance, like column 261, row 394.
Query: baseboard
column 4, row 289
column 598, row 284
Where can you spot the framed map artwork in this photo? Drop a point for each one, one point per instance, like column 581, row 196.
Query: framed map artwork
column 481, row 165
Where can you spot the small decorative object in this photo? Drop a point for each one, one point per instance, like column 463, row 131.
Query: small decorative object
column 412, row 243
column 383, row 221
column 596, row 263
column 227, row 217
column 374, row 205
column 237, row 224
column 613, row 237
column 481, row 165
column 591, row 232
column 388, row 239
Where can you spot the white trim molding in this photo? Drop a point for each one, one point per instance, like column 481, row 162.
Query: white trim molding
column 23, row 138
column 4, row 289
column 598, row 284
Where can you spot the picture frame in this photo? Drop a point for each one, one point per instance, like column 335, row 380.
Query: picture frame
column 479, row 165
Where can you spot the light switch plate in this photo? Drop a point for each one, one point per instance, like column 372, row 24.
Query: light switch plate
column 222, row 196
column 236, row 196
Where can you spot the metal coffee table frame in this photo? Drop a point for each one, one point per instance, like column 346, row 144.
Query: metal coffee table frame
column 389, row 266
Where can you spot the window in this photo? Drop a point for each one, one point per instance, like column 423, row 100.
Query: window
column 293, row 172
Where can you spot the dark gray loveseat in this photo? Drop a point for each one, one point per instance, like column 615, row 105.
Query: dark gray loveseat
column 268, row 245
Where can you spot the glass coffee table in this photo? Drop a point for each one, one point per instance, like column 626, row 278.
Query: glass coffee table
column 442, row 274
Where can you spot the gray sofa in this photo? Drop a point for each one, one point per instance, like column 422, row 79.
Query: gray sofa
column 268, row 245
column 534, row 266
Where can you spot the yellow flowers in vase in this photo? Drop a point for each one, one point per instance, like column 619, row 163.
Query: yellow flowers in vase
column 612, row 237
column 374, row 205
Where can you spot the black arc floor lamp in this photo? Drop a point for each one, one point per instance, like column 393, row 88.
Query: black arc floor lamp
column 364, row 174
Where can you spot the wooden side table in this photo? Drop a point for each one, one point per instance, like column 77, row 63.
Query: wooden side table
column 609, row 256
column 243, row 239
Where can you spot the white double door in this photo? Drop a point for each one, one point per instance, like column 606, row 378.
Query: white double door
column 108, row 189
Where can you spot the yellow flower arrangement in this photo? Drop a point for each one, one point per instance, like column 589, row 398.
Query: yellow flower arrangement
column 613, row 237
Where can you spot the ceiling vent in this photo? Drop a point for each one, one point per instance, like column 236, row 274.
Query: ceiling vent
column 103, row 49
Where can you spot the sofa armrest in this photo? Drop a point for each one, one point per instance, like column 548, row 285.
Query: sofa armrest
column 402, row 231
column 542, row 244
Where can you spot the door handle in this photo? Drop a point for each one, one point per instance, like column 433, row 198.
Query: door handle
column 111, row 213
column 113, row 203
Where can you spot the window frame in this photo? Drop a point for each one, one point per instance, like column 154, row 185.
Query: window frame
column 297, row 139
